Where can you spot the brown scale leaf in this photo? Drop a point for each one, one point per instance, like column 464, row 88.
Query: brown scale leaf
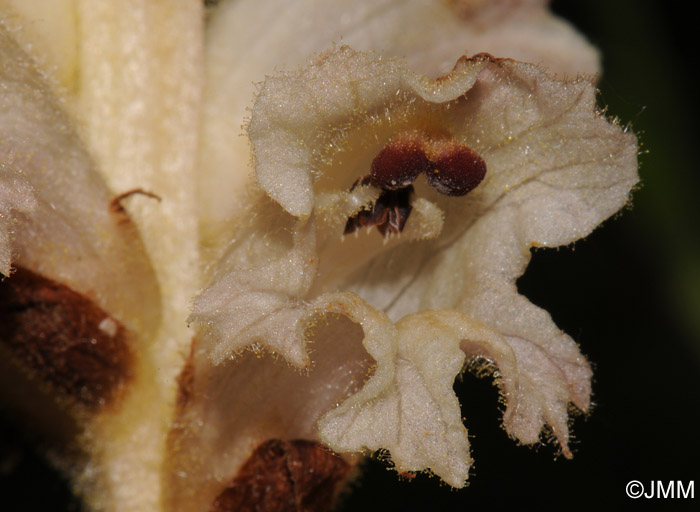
column 297, row 475
column 63, row 338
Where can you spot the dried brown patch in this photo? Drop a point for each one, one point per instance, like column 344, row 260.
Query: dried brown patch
column 298, row 476
column 63, row 339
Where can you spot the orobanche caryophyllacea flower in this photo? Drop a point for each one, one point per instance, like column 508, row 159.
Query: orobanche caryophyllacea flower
column 395, row 214
column 331, row 300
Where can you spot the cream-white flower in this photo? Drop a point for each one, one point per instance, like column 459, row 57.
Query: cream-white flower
column 124, row 186
column 429, row 295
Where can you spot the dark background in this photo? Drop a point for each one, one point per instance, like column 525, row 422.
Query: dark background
column 629, row 295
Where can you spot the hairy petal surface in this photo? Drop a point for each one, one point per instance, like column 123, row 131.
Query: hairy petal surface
column 263, row 294
column 416, row 415
column 356, row 336
column 430, row 34
column 445, row 282
column 57, row 207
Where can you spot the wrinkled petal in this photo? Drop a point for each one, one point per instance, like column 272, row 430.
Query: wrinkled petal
column 555, row 169
column 261, row 296
column 416, row 415
column 229, row 409
column 431, row 35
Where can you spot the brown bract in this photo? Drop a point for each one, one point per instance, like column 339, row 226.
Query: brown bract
column 285, row 476
column 63, row 339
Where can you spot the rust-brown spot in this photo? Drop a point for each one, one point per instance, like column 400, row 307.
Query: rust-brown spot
column 115, row 205
column 285, row 476
column 483, row 57
column 63, row 338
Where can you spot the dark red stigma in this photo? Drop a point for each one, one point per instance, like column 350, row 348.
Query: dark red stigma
column 456, row 171
column 451, row 168
column 399, row 163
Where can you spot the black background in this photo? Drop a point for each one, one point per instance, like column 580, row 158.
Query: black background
column 629, row 295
